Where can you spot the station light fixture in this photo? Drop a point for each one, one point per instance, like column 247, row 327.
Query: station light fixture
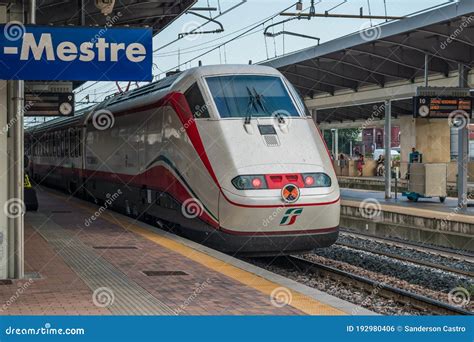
column 105, row 6
column 299, row 5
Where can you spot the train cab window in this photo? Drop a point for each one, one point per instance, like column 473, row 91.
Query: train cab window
column 240, row 96
column 196, row 102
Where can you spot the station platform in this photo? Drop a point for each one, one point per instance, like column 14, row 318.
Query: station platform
column 83, row 260
column 427, row 221
column 431, row 207
column 378, row 184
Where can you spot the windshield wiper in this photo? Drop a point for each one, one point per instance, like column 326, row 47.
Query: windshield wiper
column 252, row 100
column 260, row 99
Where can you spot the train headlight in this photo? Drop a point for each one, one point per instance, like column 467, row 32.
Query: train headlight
column 249, row 182
column 316, row 180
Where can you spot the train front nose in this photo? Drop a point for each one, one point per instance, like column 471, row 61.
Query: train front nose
column 284, row 210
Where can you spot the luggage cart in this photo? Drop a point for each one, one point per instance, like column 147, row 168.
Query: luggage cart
column 426, row 181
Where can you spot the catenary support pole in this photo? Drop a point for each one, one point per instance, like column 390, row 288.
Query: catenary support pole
column 427, row 69
column 463, row 149
column 388, row 149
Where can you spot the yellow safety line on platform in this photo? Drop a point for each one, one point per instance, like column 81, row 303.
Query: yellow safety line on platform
column 299, row 301
column 425, row 213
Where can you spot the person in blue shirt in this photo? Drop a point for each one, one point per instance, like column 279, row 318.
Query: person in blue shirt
column 415, row 156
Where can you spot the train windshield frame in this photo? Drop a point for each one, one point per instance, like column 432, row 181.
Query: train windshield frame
column 243, row 96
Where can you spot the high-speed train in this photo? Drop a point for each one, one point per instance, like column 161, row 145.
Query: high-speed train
column 228, row 155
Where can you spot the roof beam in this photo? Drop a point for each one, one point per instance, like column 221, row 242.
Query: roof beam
column 404, row 56
column 343, row 71
column 363, row 66
column 428, row 49
column 383, row 60
column 446, row 36
column 313, row 87
column 316, row 75
column 326, row 80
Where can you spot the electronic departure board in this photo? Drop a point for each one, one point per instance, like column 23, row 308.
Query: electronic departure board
column 440, row 107
column 49, row 104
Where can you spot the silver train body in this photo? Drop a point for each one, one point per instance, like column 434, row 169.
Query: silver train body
column 226, row 154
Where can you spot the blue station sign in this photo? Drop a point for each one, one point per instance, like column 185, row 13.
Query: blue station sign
column 44, row 53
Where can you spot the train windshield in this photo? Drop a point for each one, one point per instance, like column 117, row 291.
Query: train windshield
column 241, row 96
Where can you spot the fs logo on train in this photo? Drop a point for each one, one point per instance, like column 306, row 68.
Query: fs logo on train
column 290, row 216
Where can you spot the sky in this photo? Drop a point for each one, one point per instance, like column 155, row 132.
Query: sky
column 254, row 46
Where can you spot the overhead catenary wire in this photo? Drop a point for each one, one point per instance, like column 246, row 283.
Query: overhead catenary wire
column 263, row 21
column 180, row 53
column 174, row 52
column 250, row 29
column 205, row 23
column 342, row 3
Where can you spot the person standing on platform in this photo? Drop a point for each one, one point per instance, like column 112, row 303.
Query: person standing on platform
column 360, row 164
column 414, row 157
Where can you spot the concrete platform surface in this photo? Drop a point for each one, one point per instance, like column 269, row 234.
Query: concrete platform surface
column 82, row 259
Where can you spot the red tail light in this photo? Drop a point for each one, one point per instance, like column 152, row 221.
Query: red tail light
column 308, row 180
column 256, row 183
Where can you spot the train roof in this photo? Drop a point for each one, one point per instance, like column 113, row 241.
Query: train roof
column 153, row 87
column 61, row 121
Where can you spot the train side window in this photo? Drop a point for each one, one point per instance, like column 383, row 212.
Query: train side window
column 73, row 148
column 71, row 142
column 55, row 144
column 196, row 102
column 66, row 143
column 76, row 143
column 79, row 140
column 49, row 145
column 63, row 142
column 58, row 144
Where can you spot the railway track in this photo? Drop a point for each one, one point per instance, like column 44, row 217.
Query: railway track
column 402, row 296
column 441, row 251
column 408, row 259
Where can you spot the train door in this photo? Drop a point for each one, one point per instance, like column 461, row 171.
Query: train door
column 152, row 145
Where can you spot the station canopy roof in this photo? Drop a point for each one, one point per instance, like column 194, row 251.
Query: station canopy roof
column 156, row 14
column 393, row 51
